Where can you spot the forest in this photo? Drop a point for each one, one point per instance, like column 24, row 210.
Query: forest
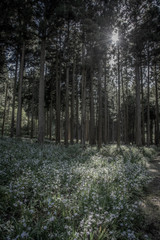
column 79, row 119
column 80, row 71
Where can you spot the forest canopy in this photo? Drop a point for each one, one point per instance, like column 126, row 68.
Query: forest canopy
column 80, row 71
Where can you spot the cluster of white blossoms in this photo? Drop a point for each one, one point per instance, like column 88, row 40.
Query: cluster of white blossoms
column 67, row 193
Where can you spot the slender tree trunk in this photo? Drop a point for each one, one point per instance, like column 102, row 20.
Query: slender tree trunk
column 58, row 103
column 67, row 107
column 32, row 110
column 151, row 131
column 142, row 94
column 28, row 123
column 108, row 124
column 124, row 114
column 5, row 106
column 50, row 120
column 13, row 102
column 138, row 106
column 157, row 108
column 112, row 131
column 100, row 107
column 92, row 120
column 72, row 102
column 126, row 107
column 41, row 113
column 148, row 106
column 47, row 123
column 118, row 112
column 83, row 137
column 87, row 125
column 77, row 115
column 19, row 112
column 105, row 105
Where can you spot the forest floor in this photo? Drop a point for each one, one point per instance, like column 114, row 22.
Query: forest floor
column 151, row 200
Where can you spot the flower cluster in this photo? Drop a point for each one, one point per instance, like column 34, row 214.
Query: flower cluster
column 68, row 193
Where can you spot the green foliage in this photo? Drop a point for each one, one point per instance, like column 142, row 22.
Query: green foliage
column 70, row 193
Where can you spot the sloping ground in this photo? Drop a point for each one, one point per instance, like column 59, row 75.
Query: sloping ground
column 151, row 201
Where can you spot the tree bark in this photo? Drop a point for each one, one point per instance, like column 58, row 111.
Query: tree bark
column 124, row 111
column 67, row 107
column 138, row 106
column 148, row 106
column 4, row 112
column 118, row 110
column 142, row 94
column 13, row 102
column 83, row 123
column 72, row 103
column 19, row 111
column 126, row 107
column 157, row 107
column 77, row 114
column 92, row 120
column 41, row 113
column 105, row 105
column 100, row 107
column 58, row 103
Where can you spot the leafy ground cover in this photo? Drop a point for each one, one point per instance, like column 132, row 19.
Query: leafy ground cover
column 69, row 193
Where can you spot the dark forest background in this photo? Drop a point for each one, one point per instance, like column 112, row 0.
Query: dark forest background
column 80, row 71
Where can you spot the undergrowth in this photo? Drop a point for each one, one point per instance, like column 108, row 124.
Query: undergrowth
column 70, row 193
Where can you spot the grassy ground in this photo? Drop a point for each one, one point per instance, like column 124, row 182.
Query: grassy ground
column 69, row 193
column 151, row 200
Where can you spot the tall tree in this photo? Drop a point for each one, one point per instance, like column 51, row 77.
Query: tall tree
column 67, row 107
column 100, row 106
column 72, row 101
column 118, row 107
column 5, row 107
column 21, row 72
column 148, row 98
column 83, row 121
column 14, row 95
column 41, row 113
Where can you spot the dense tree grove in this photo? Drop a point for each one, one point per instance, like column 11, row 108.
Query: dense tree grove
column 80, row 71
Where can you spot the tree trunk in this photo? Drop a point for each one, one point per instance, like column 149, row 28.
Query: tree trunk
column 138, row 106
column 13, row 102
column 124, row 113
column 157, row 108
column 72, row 102
column 77, row 114
column 28, row 122
column 4, row 112
column 67, row 107
column 151, row 131
column 19, row 111
column 100, row 107
column 32, row 109
column 41, row 113
column 148, row 107
column 92, row 120
column 118, row 110
column 58, row 103
column 105, row 106
column 83, row 137
column 142, row 94
column 126, row 107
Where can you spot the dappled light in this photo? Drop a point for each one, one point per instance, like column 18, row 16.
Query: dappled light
column 78, row 193
column 115, row 37
column 79, row 119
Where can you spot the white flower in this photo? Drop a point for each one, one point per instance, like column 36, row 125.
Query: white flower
column 52, row 219
column 24, row 234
